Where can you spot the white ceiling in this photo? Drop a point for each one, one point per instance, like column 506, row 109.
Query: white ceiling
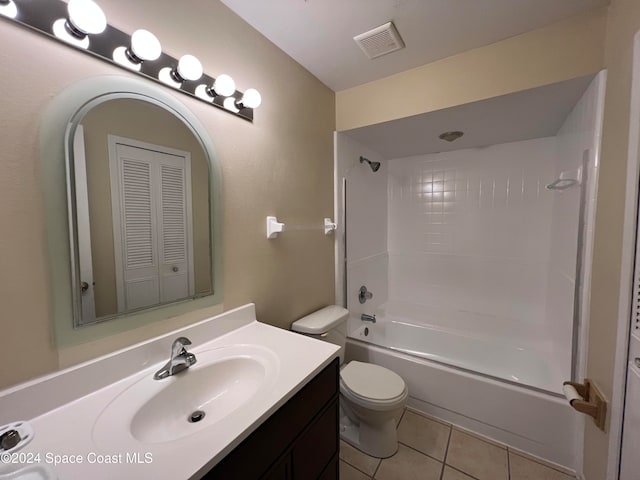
column 535, row 113
column 319, row 33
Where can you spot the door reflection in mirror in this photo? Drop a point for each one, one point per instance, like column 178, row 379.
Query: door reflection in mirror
column 141, row 209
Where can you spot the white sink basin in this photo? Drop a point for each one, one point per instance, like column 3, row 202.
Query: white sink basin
column 223, row 382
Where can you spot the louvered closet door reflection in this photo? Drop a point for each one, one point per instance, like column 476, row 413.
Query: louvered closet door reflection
column 154, row 225
column 174, row 278
column 139, row 228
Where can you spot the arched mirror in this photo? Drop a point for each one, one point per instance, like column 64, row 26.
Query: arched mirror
column 140, row 208
column 143, row 205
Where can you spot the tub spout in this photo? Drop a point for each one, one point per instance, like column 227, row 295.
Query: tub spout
column 368, row 318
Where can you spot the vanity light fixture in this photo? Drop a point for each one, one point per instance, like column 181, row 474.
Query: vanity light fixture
column 223, row 86
column 144, row 47
column 84, row 17
column 8, row 8
column 230, row 104
column 250, row 99
column 83, row 24
column 188, row 68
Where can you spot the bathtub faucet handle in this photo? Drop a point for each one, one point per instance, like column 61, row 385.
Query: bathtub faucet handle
column 368, row 318
column 364, row 295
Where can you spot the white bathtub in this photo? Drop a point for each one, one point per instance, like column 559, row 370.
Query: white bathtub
column 492, row 346
column 472, row 381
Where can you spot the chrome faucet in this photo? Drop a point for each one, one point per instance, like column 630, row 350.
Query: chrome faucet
column 368, row 318
column 180, row 359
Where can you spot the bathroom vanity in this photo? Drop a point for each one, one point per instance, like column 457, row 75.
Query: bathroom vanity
column 268, row 398
column 300, row 441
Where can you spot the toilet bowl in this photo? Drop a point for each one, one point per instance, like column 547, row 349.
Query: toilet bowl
column 371, row 397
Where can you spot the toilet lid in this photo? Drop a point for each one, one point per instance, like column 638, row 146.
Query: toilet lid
column 372, row 381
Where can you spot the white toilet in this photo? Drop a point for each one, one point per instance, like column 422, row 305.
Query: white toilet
column 371, row 397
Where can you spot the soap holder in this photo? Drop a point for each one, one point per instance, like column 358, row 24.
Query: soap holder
column 19, row 432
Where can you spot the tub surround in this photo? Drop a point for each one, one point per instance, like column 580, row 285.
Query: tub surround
column 63, row 408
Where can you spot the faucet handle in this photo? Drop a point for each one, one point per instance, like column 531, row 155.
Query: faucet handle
column 364, row 294
column 177, row 348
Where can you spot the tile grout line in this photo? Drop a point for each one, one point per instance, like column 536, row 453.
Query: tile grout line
column 539, row 462
column 428, row 417
column 451, row 466
column 358, row 469
column 464, row 473
column 376, row 470
column 404, row 411
column 354, row 466
column 446, row 452
column 420, row 452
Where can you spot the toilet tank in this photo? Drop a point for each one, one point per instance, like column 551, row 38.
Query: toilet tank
column 328, row 324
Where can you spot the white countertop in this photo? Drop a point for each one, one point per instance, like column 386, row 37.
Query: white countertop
column 65, row 441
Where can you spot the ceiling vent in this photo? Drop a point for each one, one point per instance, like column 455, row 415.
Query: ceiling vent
column 380, row 41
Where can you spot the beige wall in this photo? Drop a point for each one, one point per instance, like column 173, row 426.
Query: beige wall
column 568, row 49
column 281, row 164
column 623, row 22
column 148, row 123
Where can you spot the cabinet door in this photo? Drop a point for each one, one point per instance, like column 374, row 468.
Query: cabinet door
column 279, row 435
column 282, row 471
column 317, row 446
column 331, row 472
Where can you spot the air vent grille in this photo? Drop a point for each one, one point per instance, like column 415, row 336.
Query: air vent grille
column 380, row 41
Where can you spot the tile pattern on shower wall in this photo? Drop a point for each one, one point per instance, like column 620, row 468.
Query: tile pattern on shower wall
column 471, row 229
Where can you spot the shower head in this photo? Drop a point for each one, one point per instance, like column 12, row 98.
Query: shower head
column 375, row 166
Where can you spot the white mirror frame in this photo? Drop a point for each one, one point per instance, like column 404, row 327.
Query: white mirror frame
column 58, row 121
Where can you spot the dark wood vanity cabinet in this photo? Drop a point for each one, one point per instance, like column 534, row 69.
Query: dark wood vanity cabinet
column 300, row 441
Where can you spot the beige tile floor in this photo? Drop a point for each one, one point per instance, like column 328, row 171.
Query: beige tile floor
column 433, row 450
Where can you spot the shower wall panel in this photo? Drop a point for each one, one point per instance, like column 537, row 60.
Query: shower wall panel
column 578, row 142
column 366, row 212
column 470, row 230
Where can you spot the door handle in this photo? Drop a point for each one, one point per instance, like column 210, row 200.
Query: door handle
column 84, row 286
column 174, row 268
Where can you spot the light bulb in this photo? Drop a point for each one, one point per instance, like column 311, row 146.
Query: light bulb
column 251, row 98
column 122, row 57
column 224, row 86
column 230, row 104
column 145, row 46
column 85, row 16
column 8, row 9
column 167, row 76
column 202, row 92
column 189, row 68
column 66, row 33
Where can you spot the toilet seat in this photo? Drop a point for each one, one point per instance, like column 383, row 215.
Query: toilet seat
column 372, row 386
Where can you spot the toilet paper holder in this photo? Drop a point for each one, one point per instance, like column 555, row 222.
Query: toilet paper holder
column 587, row 398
